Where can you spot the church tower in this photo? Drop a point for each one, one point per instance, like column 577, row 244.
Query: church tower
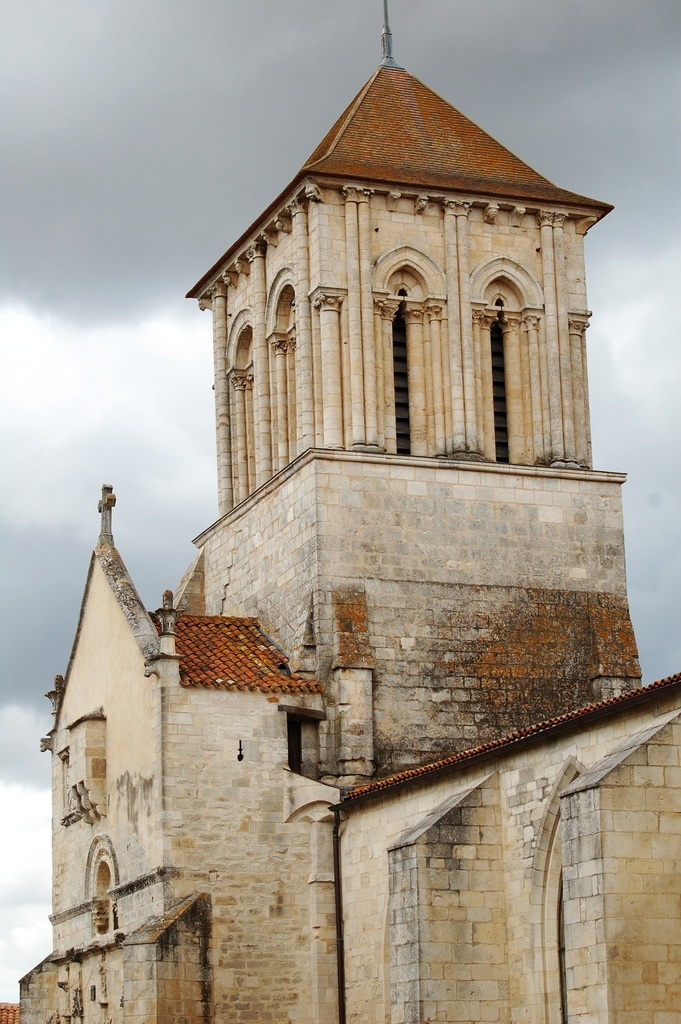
column 406, row 493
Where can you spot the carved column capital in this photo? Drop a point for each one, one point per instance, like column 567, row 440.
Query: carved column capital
column 457, row 206
column 239, row 380
column 544, row 218
column 578, row 324
column 434, row 311
column 325, row 301
column 353, row 194
column 386, row 308
column 280, row 346
column 256, row 251
column 530, row 322
column 484, row 318
column 218, row 289
column 297, row 206
column 413, row 315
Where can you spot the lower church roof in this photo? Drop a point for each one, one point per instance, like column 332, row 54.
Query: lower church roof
column 520, row 736
column 230, row 653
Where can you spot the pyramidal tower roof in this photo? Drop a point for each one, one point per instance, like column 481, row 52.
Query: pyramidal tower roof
column 399, row 131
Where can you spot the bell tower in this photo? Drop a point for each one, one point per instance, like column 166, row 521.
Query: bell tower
column 406, row 492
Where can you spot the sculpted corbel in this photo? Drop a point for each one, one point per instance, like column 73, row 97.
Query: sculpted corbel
column 491, row 213
column 421, row 203
column 312, row 192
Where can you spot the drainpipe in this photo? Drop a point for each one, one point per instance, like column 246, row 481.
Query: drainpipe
column 338, row 893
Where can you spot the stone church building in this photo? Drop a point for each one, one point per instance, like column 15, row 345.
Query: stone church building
column 384, row 757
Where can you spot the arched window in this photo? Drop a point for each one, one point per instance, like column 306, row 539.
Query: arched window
column 401, row 379
column 283, row 377
column 243, row 433
column 102, row 903
column 499, row 386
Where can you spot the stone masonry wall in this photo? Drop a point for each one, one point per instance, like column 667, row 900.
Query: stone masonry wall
column 495, row 595
column 485, row 881
column 234, row 829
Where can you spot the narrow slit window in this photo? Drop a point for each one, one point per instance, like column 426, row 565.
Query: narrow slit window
column 294, row 732
column 499, row 391
column 401, row 379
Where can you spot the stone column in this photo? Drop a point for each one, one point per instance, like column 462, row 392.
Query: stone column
column 317, row 379
column 557, row 449
column 380, row 373
column 418, row 423
column 280, row 349
column 580, row 389
column 457, row 442
column 387, row 311
column 222, row 424
column 352, row 198
column 465, row 316
column 564, row 339
column 261, row 383
column 514, row 390
column 250, row 434
column 239, row 384
column 291, row 399
column 531, row 327
column 367, row 308
column 434, row 314
column 482, row 321
column 528, row 441
column 329, row 316
column 304, row 360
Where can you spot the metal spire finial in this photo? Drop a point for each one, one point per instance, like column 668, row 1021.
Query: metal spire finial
column 387, row 41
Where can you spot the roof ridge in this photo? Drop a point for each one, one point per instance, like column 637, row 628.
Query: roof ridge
column 351, row 111
column 527, row 732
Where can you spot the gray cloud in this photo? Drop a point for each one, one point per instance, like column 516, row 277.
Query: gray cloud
column 142, row 137
column 139, row 140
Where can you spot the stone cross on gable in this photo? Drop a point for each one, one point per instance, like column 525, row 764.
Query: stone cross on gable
column 107, row 502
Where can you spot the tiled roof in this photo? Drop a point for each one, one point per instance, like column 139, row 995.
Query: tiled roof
column 234, row 654
column 521, row 736
column 9, row 1013
column 398, row 131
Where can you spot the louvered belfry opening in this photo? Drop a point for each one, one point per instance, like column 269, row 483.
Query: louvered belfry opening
column 499, row 388
column 401, row 378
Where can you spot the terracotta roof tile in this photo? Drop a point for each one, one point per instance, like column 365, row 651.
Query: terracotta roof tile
column 399, row 131
column 522, row 735
column 224, row 653
column 9, row 1013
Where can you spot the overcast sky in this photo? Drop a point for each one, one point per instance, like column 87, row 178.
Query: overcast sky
column 140, row 137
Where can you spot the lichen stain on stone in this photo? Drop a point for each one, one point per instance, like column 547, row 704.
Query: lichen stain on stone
column 135, row 793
